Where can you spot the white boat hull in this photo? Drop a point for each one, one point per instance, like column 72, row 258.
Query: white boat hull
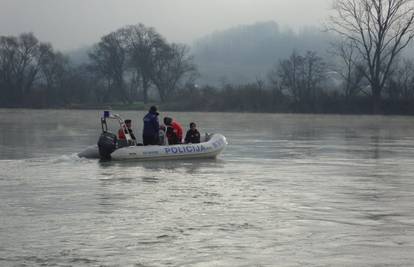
column 210, row 149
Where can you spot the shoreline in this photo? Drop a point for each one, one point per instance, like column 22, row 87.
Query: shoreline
column 167, row 108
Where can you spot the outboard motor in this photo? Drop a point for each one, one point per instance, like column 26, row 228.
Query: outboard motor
column 107, row 145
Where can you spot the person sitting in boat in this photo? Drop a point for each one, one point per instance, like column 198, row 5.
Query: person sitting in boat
column 151, row 127
column 193, row 135
column 125, row 130
column 174, row 131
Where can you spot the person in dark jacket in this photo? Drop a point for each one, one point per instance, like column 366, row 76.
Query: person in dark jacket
column 193, row 135
column 151, row 127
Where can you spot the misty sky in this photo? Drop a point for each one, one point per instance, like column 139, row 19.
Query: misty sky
column 70, row 24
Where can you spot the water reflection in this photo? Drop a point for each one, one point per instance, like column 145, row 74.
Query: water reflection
column 151, row 180
column 189, row 166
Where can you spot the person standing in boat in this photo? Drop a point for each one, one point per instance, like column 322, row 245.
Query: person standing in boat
column 193, row 135
column 151, row 127
column 174, row 131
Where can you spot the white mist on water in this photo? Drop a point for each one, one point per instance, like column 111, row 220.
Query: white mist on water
column 290, row 190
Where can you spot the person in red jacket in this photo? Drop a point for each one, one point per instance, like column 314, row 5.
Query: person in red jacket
column 174, row 131
column 122, row 132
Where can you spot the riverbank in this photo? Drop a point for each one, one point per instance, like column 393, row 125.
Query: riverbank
column 340, row 108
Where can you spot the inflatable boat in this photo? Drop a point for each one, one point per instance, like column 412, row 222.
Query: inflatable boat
column 110, row 148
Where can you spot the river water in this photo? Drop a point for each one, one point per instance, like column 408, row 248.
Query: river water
column 289, row 190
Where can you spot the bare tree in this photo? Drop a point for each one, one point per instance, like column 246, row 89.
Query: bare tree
column 142, row 46
column 301, row 77
column 401, row 83
column 350, row 68
column 289, row 71
column 8, row 55
column 171, row 64
column 109, row 60
column 275, row 85
column 54, row 69
column 315, row 73
column 19, row 66
column 380, row 30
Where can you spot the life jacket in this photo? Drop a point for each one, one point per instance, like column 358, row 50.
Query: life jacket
column 178, row 130
column 175, row 133
column 121, row 134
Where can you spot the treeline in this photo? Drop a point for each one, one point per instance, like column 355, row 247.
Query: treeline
column 128, row 65
column 305, row 83
column 135, row 64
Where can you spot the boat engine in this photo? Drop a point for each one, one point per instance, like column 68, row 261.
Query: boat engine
column 107, row 145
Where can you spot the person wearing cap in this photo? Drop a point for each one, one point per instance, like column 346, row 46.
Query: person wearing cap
column 174, row 131
column 125, row 130
column 151, row 128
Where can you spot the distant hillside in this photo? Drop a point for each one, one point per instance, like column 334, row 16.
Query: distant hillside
column 241, row 54
column 244, row 53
